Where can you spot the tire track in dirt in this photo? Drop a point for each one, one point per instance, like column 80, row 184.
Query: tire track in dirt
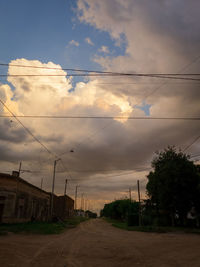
column 50, row 254
column 95, row 243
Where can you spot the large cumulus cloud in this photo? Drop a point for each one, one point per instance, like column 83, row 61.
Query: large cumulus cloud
column 109, row 156
column 47, row 95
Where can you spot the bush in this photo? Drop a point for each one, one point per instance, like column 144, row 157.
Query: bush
column 120, row 209
column 133, row 219
column 162, row 220
column 147, row 220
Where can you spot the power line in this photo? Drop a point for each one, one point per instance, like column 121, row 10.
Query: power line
column 184, row 68
column 127, row 83
column 179, row 72
column 88, row 137
column 66, row 169
column 111, row 170
column 99, row 117
column 112, row 175
column 194, row 141
column 99, row 73
column 159, row 76
column 102, row 72
column 166, row 82
column 26, row 129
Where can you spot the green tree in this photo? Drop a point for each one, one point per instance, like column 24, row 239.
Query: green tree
column 121, row 209
column 173, row 184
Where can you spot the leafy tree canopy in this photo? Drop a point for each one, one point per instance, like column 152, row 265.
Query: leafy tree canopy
column 119, row 209
column 173, row 184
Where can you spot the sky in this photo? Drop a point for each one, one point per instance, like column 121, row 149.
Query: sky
column 126, row 36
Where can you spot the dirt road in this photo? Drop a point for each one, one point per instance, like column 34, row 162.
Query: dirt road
column 96, row 243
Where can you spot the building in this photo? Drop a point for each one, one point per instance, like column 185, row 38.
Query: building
column 21, row 201
column 63, row 207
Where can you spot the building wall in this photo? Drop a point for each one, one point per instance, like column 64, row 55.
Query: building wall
column 63, row 207
column 21, row 201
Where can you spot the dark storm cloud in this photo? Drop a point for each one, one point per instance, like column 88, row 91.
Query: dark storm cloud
column 162, row 36
column 9, row 132
column 52, row 138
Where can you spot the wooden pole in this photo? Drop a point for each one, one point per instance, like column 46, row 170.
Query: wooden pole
column 138, row 186
column 65, row 187
column 130, row 194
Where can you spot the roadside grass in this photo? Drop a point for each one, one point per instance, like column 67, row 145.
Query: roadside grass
column 151, row 228
column 43, row 228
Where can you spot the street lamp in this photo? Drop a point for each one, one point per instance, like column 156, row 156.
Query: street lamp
column 53, row 183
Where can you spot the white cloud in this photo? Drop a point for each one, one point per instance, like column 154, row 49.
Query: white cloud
column 155, row 37
column 75, row 43
column 160, row 38
column 104, row 49
column 89, row 41
column 46, row 95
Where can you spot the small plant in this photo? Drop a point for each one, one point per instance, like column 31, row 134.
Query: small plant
column 44, row 228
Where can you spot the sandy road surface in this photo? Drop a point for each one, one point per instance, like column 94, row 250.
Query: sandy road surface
column 96, row 243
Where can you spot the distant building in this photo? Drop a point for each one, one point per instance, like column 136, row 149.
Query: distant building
column 63, row 207
column 80, row 213
column 21, row 201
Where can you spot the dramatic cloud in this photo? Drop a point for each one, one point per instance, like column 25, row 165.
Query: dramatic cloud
column 160, row 37
column 45, row 94
column 109, row 155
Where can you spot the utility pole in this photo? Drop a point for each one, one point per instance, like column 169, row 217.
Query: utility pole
column 130, row 193
column 20, row 166
column 82, row 205
column 75, row 200
column 65, row 187
column 17, row 186
column 65, row 200
column 41, row 183
column 138, row 186
column 53, row 184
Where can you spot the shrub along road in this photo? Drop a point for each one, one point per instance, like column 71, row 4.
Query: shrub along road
column 97, row 243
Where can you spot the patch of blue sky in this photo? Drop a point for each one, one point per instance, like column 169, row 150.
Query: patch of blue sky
column 33, row 29
column 144, row 107
column 85, row 53
column 42, row 30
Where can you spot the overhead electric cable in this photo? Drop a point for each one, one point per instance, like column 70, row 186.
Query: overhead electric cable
column 167, row 82
column 88, row 137
column 26, row 129
column 179, row 73
column 149, row 83
column 113, row 175
column 194, row 141
column 66, row 169
column 100, row 75
column 100, row 72
column 111, row 170
column 98, row 117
